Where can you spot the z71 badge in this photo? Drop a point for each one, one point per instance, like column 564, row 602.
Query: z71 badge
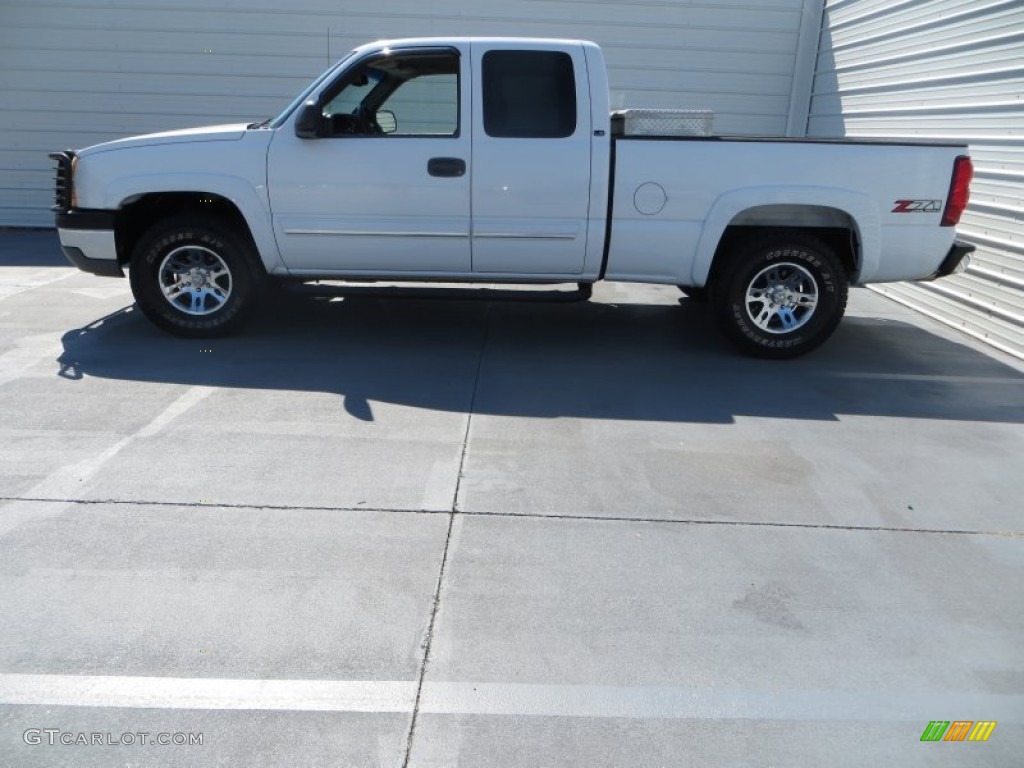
column 918, row 206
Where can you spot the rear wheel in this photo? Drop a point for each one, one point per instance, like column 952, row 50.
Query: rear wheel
column 194, row 276
column 784, row 295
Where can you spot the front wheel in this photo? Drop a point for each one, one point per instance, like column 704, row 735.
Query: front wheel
column 193, row 276
column 784, row 295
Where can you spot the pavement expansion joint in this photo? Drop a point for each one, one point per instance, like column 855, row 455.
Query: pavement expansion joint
column 428, row 641
column 472, row 408
column 524, row 515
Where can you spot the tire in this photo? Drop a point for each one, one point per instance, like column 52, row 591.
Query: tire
column 783, row 296
column 693, row 293
column 194, row 276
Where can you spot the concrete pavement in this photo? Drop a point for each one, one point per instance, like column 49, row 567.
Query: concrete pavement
column 411, row 532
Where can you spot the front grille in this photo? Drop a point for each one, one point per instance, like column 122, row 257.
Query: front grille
column 63, row 182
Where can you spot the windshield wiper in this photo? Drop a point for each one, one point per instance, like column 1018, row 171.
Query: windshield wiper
column 261, row 124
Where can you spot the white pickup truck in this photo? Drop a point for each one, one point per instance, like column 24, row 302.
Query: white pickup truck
column 498, row 161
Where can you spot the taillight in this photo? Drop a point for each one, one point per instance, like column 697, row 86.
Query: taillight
column 959, row 191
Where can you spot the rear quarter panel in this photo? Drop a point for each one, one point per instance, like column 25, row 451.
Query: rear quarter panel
column 673, row 200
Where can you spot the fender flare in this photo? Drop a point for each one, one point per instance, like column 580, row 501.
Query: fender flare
column 249, row 201
column 859, row 207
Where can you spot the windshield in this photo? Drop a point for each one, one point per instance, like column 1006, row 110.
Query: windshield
column 309, row 90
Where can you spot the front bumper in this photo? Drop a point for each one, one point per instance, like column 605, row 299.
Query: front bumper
column 956, row 261
column 87, row 240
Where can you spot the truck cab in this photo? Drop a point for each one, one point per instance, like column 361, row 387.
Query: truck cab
column 405, row 163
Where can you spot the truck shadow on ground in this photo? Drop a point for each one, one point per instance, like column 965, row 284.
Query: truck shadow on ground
column 650, row 362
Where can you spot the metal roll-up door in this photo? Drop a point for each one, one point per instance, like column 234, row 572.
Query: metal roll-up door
column 943, row 69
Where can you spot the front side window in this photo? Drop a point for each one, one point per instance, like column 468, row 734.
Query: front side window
column 529, row 94
column 405, row 94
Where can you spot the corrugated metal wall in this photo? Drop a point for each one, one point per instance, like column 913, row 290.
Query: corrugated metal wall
column 948, row 69
column 77, row 72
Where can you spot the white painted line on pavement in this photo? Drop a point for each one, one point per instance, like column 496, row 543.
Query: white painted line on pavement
column 15, row 280
column 441, row 483
column 191, row 397
column 28, row 352
column 66, row 482
column 710, row 704
column 929, row 377
column 207, row 693
column 504, row 699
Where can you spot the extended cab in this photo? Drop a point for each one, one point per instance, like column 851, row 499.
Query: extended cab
column 498, row 160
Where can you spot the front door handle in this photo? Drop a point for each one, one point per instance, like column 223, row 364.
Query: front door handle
column 446, row 166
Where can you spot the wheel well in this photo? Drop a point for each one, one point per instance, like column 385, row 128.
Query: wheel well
column 842, row 240
column 136, row 217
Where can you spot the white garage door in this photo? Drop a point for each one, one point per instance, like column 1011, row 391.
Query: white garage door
column 77, row 72
column 946, row 69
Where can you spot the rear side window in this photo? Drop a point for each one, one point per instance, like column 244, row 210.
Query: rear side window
column 529, row 94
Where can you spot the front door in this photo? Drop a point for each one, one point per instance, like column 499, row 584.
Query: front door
column 385, row 187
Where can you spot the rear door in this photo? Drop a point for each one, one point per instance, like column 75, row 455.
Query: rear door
column 531, row 158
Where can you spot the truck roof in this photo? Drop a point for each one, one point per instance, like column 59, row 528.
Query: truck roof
column 417, row 42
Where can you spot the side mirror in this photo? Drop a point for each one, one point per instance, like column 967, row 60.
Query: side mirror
column 307, row 121
column 387, row 121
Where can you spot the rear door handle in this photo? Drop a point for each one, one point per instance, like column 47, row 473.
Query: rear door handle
column 446, row 166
